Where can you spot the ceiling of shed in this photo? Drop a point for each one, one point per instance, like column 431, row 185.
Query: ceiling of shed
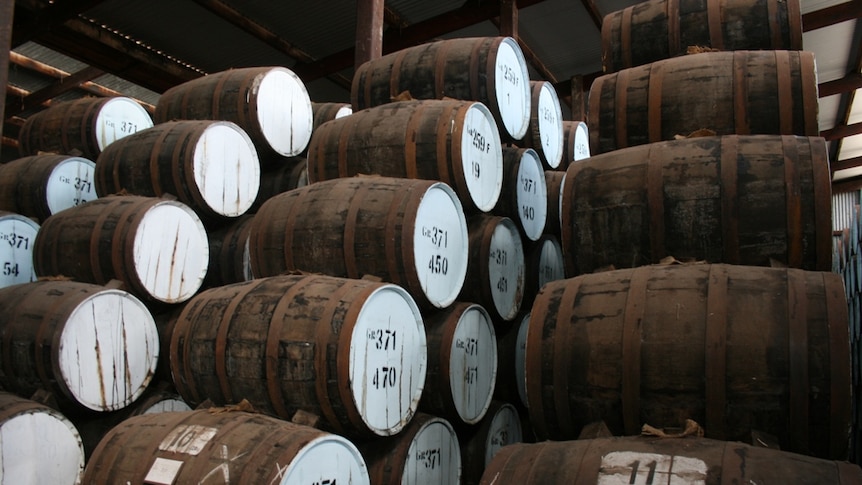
column 68, row 49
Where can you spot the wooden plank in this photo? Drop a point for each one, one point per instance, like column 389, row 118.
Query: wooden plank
column 61, row 86
column 841, row 131
column 369, row 31
column 577, row 104
column 846, row 84
column 7, row 10
column 509, row 18
column 831, row 15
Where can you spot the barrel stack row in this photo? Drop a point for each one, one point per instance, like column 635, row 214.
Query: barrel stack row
column 183, row 198
column 710, row 164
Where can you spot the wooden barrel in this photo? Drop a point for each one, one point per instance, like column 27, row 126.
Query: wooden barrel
column 651, row 460
column 544, row 263
column 86, row 125
column 495, row 272
column 235, row 447
column 555, row 182
column 748, row 200
column 323, row 112
column 92, row 347
column 17, row 239
column 41, row 185
column 479, row 444
column 545, row 132
column 352, row 352
column 271, row 104
column 576, row 143
column 462, row 363
column 409, row 232
column 452, row 141
column 661, row 344
column 659, row 29
column 37, row 444
column 742, row 92
column 158, row 248
column 274, row 180
column 524, row 197
column 511, row 344
column 491, row 70
column 229, row 253
column 426, row 452
column 211, row 166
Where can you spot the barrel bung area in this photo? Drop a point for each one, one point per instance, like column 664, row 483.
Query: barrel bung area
column 397, row 242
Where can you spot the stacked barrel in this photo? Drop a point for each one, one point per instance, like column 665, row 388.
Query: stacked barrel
column 710, row 164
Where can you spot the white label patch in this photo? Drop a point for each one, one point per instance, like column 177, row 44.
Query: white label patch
column 187, row 439
column 163, row 472
column 631, row 468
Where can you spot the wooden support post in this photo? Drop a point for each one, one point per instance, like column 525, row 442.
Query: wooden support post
column 578, row 108
column 509, row 19
column 369, row 31
column 7, row 9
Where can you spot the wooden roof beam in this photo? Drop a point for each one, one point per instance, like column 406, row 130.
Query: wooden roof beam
column 835, row 14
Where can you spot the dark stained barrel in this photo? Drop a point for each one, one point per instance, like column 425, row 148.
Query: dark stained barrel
column 659, row 29
column 40, row 185
column 657, row 460
column 290, row 174
column 270, row 103
column 748, row 200
column 452, row 141
column 229, row 253
column 741, row 92
column 736, row 348
column 85, row 125
column 223, row 446
column 491, row 70
column 350, row 351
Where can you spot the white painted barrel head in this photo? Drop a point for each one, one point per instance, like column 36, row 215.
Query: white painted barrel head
column 440, row 245
column 581, row 148
column 226, row 169
column 552, row 266
column 109, row 347
column 388, row 360
column 512, row 88
column 284, row 111
column 506, row 270
column 167, row 405
column 532, row 195
column 70, row 183
column 473, row 364
column 343, row 111
column 170, row 252
column 481, row 157
column 40, row 446
column 327, row 459
column 550, row 120
column 434, row 455
column 17, row 235
column 118, row 118
column 521, row 358
column 505, row 430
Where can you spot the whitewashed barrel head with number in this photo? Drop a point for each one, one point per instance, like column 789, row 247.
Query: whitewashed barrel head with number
column 512, row 83
column 434, row 455
column 481, row 159
column 549, row 118
column 109, row 348
column 506, row 270
column 70, row 184
column 552, row 266
column 17, row 235
column 388, row 360
column 440, row 242
column 37, row 444
column 170, row 251
column 120, row 117
column 532, row 195
column 581, row 147
column 284, row 111
column 505, row 429
column 226, row 169
column 473, row 364
column 520, row 358
column 328, row 459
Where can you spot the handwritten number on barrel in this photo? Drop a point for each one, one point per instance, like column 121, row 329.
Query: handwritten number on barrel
column 650, row 476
